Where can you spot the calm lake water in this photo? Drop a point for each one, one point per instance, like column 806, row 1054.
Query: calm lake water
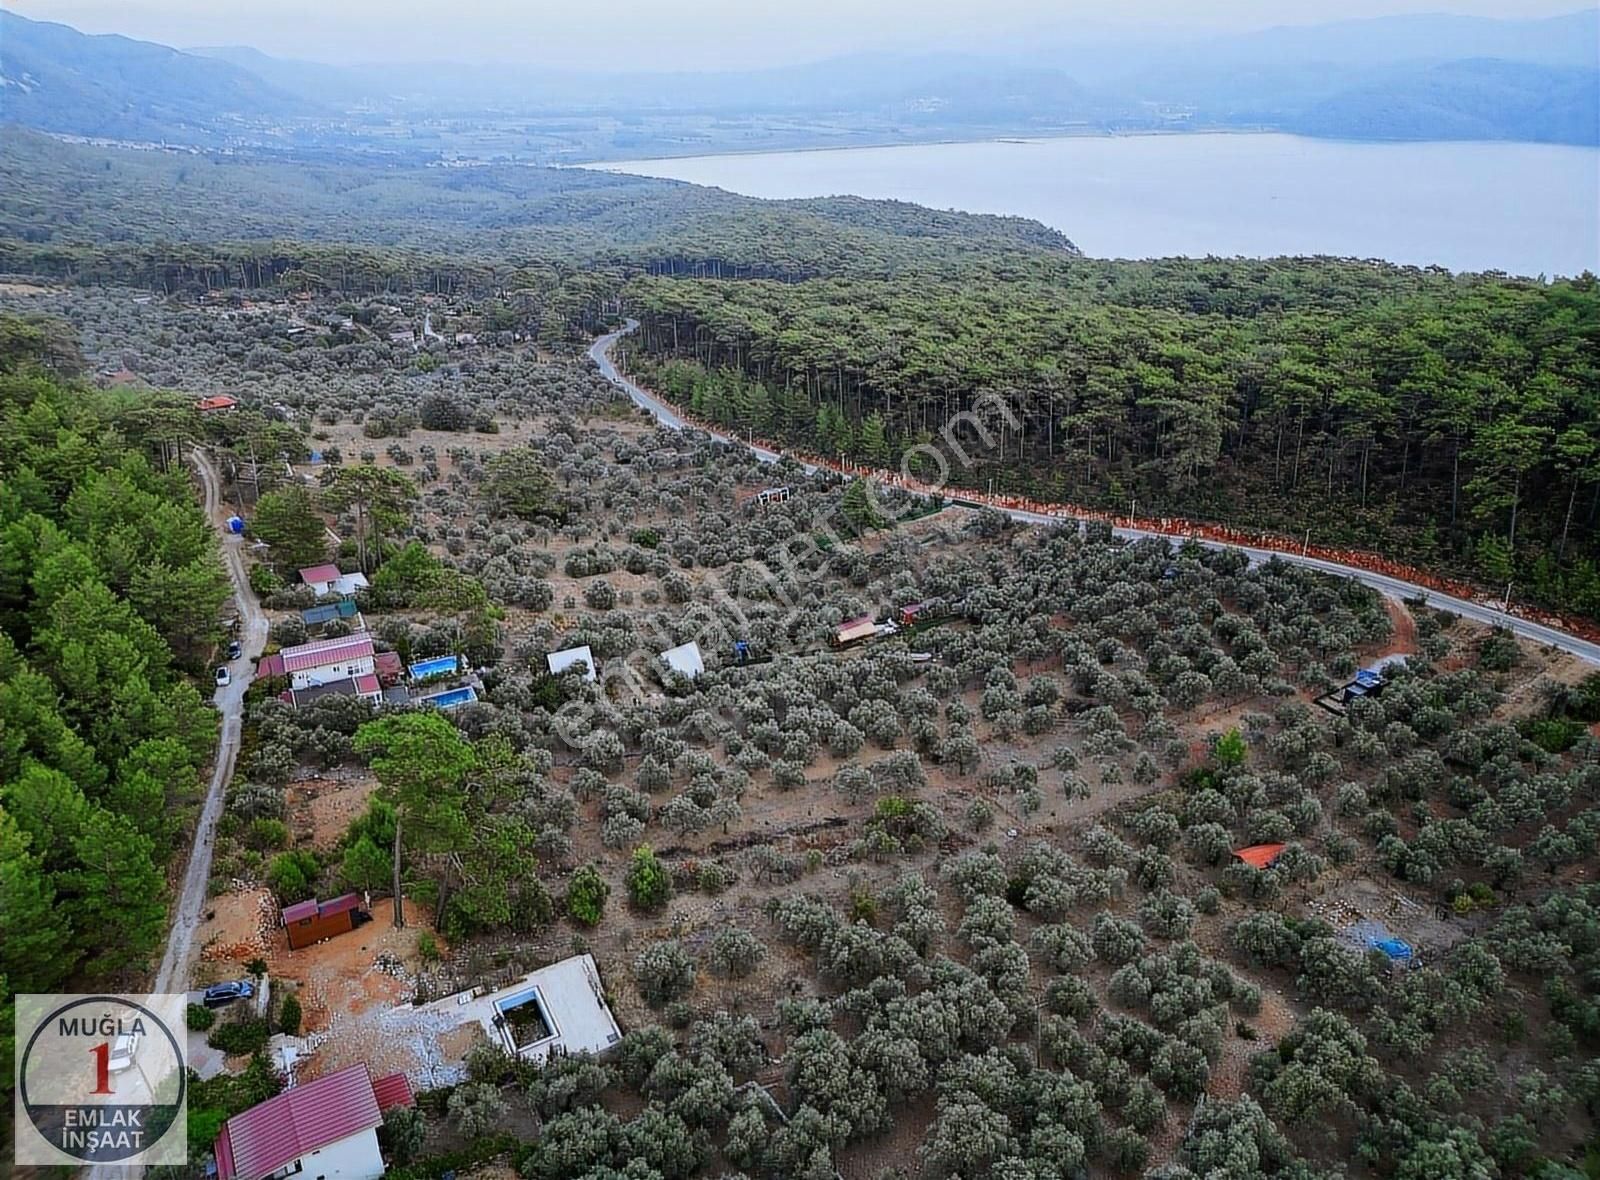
column 1523, row 208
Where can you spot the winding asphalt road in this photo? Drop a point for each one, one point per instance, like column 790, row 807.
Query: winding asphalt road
column 188, row 910
column 600, row 354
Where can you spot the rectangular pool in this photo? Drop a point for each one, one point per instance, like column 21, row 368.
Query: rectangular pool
column 439, row 666
column 524, row 1020
column 449, row 700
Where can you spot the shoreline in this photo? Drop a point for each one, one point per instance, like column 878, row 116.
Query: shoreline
column 1012, row 139
column 1197, row 225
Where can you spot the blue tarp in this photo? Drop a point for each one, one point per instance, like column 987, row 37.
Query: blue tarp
column 1397, row 949
column 236, row 524
column 1375, row 936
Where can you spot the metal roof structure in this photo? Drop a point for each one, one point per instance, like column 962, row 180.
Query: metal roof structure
column 322, row 652
column 303, row 1119
column 393, row 1090
column 685, row 659
column 559, row 661
column 1260, row 856
column 314, row 575
column 315, row 616
column 302, row 910
column 853, row 629
column 387, row 665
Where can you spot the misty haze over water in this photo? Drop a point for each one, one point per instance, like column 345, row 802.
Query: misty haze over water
column 1521, row 208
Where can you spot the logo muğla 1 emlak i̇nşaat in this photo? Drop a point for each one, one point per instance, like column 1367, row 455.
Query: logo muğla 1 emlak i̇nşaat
column 101, row 1079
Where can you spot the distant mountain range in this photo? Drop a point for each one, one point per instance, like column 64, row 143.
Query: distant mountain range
column 1412, row 77
column 54, row 78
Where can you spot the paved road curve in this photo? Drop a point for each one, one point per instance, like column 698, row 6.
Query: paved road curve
column 600, row 353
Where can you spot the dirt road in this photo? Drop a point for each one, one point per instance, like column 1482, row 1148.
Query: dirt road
column 189, row 906
column 600, row 354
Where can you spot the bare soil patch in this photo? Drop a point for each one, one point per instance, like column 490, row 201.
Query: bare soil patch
column 1271, row 1024
column 238, row 927
column 1362, row 899
column 321, row 809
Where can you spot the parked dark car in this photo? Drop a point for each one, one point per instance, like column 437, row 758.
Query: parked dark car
column 234, row 650
column 219, row 995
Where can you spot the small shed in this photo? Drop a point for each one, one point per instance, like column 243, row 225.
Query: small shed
column 312, row 921
column 1260, row 856
column 388, row 666
column 220, row 401
column 560, row 661
column 855, row 630
column 685, row 660
column 909, row 615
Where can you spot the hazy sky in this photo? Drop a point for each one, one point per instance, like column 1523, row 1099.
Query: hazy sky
column 681, row 33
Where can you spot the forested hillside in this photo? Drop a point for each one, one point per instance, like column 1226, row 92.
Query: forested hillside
column 106, row 214
column 1452, row 418
column 1456, row 419
column 110, row 589
column 57, row 79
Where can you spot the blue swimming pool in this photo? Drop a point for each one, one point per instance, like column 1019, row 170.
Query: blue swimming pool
column 440, row 666
column 449, row 700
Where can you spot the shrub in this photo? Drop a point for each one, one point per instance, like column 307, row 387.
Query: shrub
column 198, row 1017
column 736, row 952
column 427, row 947
column 664, row 971
column 1116, row 941
column 402, row 1134
column 292, row 876
column 289, row 1016
column 649, row 884
column 1126, row 1150
column 586, row 896
column 267, row 835
column 239, row 1037
column 476, row 1108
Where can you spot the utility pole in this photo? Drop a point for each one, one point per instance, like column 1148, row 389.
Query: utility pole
column 1306, row 548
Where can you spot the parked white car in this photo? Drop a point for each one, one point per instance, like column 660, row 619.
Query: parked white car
column 123, row 1050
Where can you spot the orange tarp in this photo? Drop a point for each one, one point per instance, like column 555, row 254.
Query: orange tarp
column 1259, row 856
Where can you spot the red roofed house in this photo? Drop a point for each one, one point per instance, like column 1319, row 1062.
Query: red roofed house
column 321, row 577
column 326, row 579
column 221, row 401
column 323, row 661
column 322, row 1130
column 855, row 630
column 312, row 921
